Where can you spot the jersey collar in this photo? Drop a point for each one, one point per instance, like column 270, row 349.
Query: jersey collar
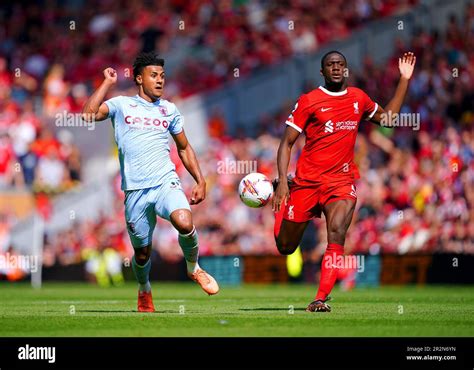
column 332, row 93
column 148, row 103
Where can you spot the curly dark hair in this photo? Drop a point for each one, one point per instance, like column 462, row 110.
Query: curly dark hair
column 146, row 59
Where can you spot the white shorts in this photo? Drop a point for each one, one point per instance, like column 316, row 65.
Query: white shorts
column 143, row 205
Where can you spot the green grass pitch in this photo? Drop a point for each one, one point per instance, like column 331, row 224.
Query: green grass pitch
column 81, row 309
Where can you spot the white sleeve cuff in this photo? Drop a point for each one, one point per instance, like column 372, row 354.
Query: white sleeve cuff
column 291, row 124
column 375, row 110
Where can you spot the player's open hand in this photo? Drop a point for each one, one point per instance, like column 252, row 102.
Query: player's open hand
column 198, row 194
column 281, row 196
column 110, row 75
column 406, row 65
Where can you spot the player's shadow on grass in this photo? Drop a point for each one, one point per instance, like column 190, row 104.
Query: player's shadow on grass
column 273, row 309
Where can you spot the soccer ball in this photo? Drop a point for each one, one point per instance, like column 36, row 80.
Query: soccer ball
column 255, row 190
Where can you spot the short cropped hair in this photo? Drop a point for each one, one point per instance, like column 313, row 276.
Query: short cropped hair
column 329, row 53
column 146, row 59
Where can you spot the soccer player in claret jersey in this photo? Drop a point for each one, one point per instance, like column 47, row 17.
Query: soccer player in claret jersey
column 152, row 187
column 329, row 116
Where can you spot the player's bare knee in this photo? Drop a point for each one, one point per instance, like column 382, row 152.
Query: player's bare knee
column 185, row 226
column 142, row 255
column 182, row 221
column 337, row 230
column 285, row 247
column 337, row 237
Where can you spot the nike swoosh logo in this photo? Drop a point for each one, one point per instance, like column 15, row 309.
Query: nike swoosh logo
column 325, row 109
column 133, row 106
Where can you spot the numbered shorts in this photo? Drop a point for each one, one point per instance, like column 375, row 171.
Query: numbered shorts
column 307, row 202
column 143, row 205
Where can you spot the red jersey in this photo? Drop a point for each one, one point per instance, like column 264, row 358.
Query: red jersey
column 330, row 121
column 6, row 156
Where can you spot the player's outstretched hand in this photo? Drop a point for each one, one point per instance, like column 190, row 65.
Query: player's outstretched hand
column 406, row 65
column 198, row 193
column 281, row 196
column 110, row 75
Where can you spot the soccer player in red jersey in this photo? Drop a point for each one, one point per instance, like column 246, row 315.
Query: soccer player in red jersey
column 329, row 117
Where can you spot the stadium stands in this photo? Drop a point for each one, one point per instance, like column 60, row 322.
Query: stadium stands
column 416, row 190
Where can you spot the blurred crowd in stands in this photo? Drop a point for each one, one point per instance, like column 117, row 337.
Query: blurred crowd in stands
column 416, row 190
column 52, row 55
column 62, row 46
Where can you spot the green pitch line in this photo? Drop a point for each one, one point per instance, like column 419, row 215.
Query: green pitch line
column 80, row 309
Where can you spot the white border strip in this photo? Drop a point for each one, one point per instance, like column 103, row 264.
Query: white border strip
column 339, row 93
column 375, row 110
column 291, row 124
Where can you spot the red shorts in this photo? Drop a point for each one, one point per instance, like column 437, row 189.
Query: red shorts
column 307, row 202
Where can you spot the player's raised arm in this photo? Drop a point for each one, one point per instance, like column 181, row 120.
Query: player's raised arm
column 283, row 161
column 406, row 65
column 188, row 157
column 95, row 109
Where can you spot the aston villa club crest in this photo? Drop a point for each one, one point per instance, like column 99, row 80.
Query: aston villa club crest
column 163, row 111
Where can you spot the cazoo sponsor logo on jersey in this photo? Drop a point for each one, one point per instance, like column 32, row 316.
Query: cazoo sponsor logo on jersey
column 146, row 123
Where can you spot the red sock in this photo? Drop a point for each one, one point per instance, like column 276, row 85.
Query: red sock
column 278, row 221
column 329, row 270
